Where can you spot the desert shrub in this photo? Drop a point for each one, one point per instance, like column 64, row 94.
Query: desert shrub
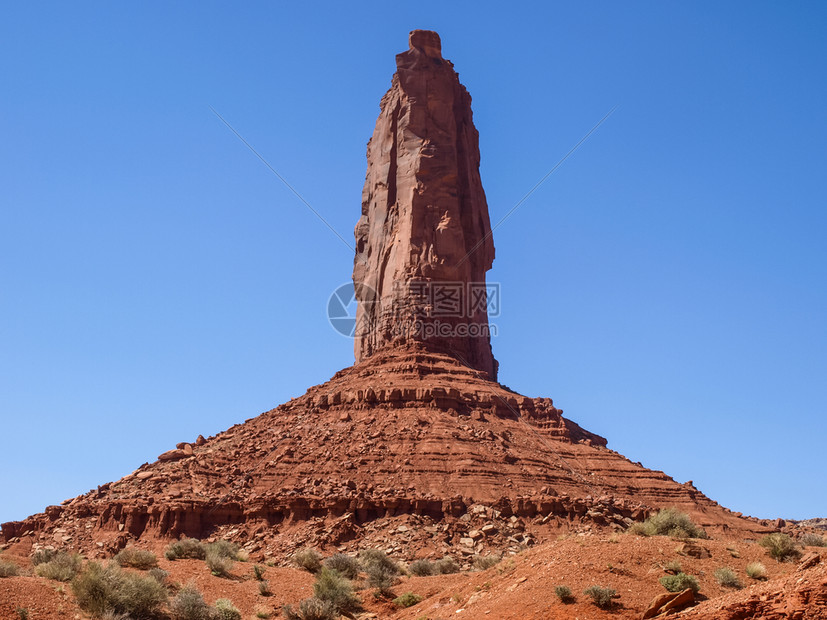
column 308, row 559
column 564, row 594
column 258, row 572
column 422, row 568
column 344, row 564
column 62, row 567
column 409, row 599
column 668, row 522
column 186, row 548
column 780, row 547
column 99, row 590
column 224, row 549
column 673, row 567
column 727, row 577
column 9, row 569
column 333, row 587
column 263, row 614
column 312, row 609
column 219, row 564
column 756, row 570
column 189, row 604
column 264, row 587
column 22, row 613
column 446, row 566
column 225, row 610
column 136, row 558
column 158, row 574
column 41, row 556
column 811, row 539
column 602, row 597
column 377, row 557
column 680, row 582
column 483, row 562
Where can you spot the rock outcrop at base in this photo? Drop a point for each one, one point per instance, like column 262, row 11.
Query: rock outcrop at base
column 423, row 242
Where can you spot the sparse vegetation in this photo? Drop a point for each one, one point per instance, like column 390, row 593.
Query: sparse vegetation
column 263, row 614
column 311, row 609
column 680, row 582
column 483, row 562
column 564, row 594
column 382, row 571
column 189, row 604
column 756, row 570
column 22, row 613
column 409, row 599
column 159, row 575
column 225, row 610
column 726, row 577
column 780, row 547
column 422, row 568
column 219, row 565
column 668, row 522
column 41, row 556
column 811, row 539
column 9, row 569
column 62, row 567
column 601, row 596
column 346, row 565
column 186, row 548
column 136, row 558
column 308, row 559
column 336, row 589
column 258, row 572
column 225, row 549
column 446, row 566
column 101, row 589
column 673, row 567
column 264, row 587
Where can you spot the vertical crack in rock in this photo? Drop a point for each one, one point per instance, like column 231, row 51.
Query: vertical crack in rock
column 423, row 242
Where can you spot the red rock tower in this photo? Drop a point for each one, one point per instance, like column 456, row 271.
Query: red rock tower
column 423, row 242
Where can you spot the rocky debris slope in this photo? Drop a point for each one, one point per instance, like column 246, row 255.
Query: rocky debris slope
column 407, row 434
column 423, row 242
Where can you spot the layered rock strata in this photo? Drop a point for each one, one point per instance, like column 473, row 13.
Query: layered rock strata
column 423, row 242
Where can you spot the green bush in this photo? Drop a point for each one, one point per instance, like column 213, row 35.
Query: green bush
column 756, row 570
column 345, row 564
column 159, row 575
column 680, row 582
column 258, row 572
column 727, row 578
column 9, row 569
column 224, row 549
column 337, row 590
column 409, row 599
column 446, row 566
column 264, row 587
column 62, row 567
column 136, row 558
column 483, row 562
column 312, row 609
column 41, row 556
column 422, row 568
column 668, row 522
column 811, row 539
column 377, row 558
column 308, row 559
column 225, row 610
column 189, row 604
column 186, row 548
column 564, row 594
column 219, row 564
column 99, row 590
column 780, row 546
column 602, row 597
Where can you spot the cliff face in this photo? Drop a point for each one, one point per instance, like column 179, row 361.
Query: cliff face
column 423, row 242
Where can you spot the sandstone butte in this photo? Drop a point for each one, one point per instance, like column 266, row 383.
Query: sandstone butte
column 415, row 448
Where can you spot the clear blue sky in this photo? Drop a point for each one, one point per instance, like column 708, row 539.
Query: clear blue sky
column 666, row 285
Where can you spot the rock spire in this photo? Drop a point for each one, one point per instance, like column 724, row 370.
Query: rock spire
column 423, row 242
